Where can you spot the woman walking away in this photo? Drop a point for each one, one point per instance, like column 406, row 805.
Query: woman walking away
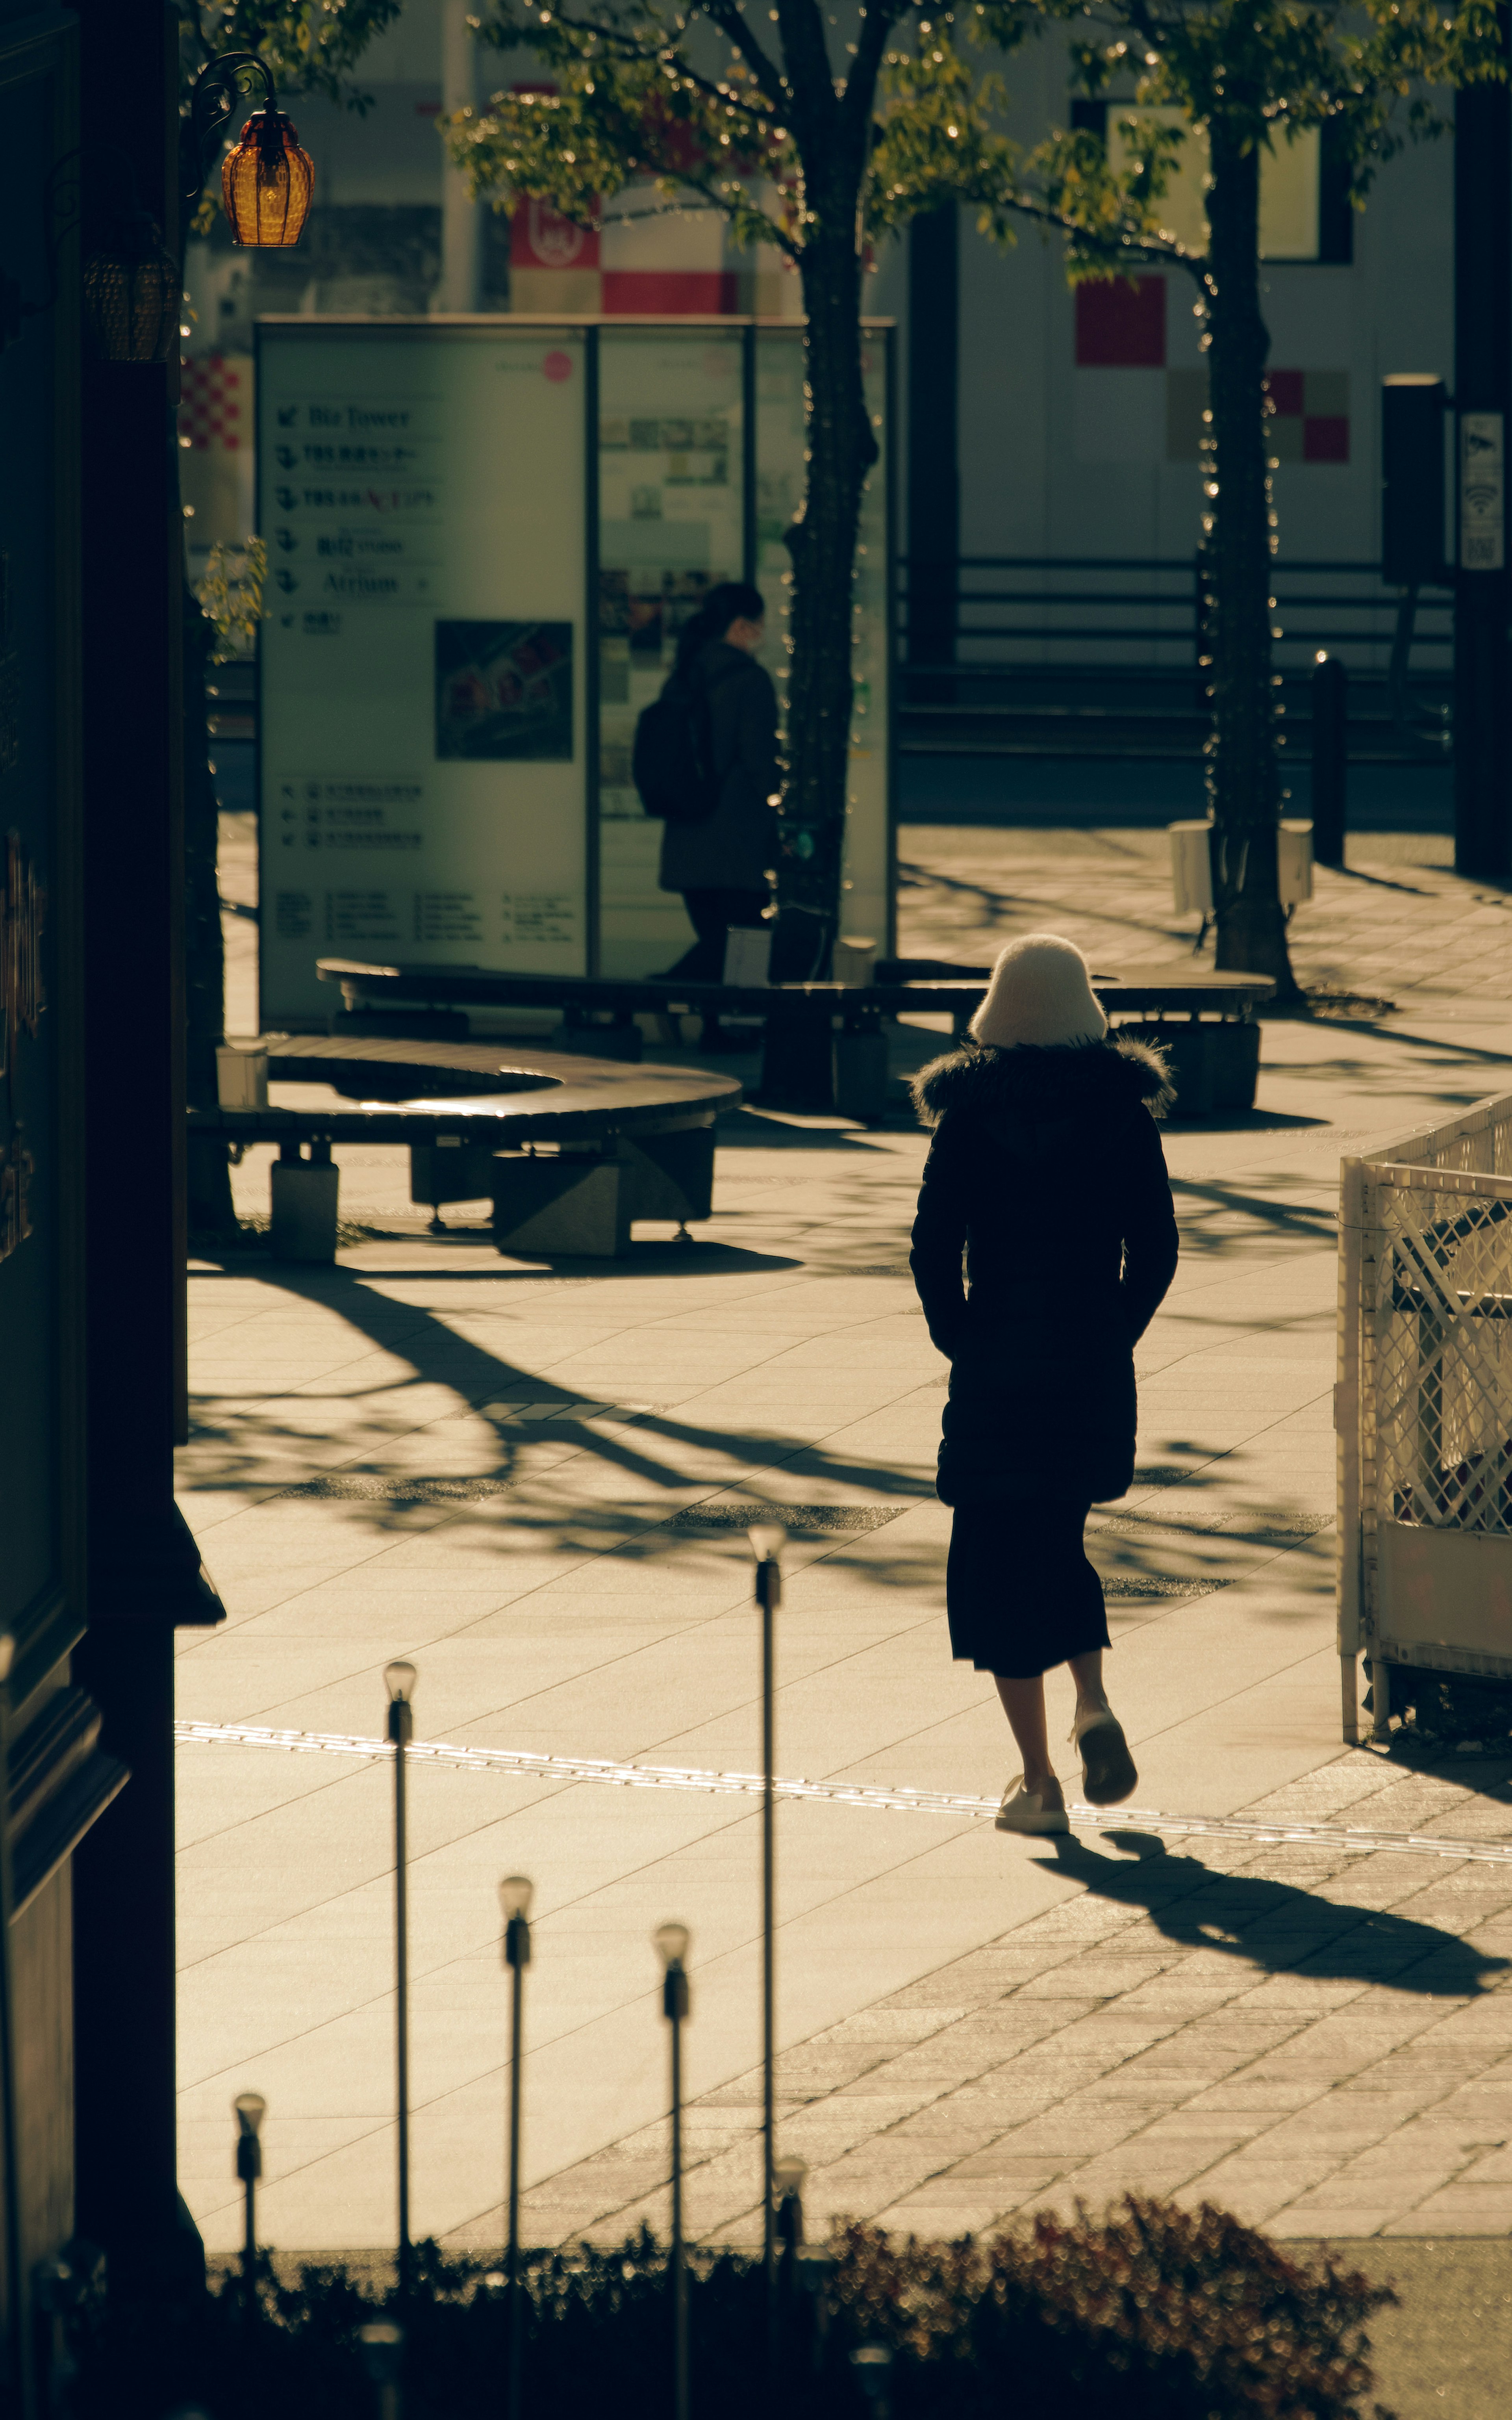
column 1043, row 1245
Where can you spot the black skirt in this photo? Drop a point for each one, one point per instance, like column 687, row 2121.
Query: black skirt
column 1020, row 1593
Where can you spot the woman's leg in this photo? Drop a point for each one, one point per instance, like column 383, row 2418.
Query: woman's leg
column 1024, row 1705
column 1086, row 1671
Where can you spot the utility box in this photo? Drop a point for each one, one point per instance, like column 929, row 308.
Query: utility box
column 1413, row 406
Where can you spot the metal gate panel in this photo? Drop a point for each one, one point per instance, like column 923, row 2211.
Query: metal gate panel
column 1424, row 1406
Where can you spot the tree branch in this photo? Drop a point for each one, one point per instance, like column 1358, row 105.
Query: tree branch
column 734, row 26
column 806, row 56
column 859, row 99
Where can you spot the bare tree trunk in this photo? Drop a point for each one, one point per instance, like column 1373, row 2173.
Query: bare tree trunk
column 842, row 448
column 1243, row 780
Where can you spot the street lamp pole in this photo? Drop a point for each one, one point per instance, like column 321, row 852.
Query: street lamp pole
column 250, row 2109
column 767, row 1539
column 400, row 1680
column 515, row 1895
column 16, row 2330
column 671, row 1945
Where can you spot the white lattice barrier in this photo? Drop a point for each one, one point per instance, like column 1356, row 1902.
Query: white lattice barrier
column 1424, row 1407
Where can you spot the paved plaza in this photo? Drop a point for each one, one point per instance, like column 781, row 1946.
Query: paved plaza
column 531, row 1482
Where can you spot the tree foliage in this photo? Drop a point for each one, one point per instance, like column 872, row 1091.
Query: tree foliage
column 1241, row 79
column 801, row 139
column 695, row 101
column 1264, row 73
column 310, row 45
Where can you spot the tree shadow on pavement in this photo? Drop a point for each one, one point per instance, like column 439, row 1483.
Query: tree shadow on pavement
column 644, row 1450
column 1275, row 1925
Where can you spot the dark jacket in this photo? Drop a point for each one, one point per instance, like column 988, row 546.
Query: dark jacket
column 1043, row 1245
column 734, row 848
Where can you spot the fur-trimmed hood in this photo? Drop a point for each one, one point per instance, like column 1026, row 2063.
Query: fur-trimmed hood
column 1041, row 1085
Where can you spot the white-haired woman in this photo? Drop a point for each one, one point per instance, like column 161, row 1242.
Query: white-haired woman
column 1043, row 1243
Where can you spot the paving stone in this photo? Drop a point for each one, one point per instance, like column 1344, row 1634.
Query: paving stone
column 970, row 2026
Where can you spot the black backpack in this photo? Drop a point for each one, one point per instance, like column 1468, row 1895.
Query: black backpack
column 672, row 765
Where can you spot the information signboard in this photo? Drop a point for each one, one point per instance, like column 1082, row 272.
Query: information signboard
column 483, row 539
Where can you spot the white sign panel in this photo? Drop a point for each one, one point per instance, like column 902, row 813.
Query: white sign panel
column 1482, row 492
column 422, row 722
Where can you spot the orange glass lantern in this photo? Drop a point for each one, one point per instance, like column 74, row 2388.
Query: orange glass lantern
column 267, row 183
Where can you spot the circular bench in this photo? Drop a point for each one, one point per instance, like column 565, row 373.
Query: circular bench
column 571, row 1150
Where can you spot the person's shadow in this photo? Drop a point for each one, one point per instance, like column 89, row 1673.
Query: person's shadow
column 1274, row 1925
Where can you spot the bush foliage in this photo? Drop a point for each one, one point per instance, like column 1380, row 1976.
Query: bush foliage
column 1153, row 2313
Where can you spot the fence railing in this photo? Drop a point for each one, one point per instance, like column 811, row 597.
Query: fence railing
column 1423, row 1407
column 986, row 614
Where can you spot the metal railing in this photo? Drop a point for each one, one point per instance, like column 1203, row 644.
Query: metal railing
column 987, row 615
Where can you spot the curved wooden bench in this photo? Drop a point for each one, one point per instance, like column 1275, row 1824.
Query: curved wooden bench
column 571, row 1150
column 824, row 1048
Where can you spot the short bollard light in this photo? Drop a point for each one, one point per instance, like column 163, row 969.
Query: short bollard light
column 15, row 2345
column 251, row 2109
column 399, row 1678
column 873, row 2365
column 671, row 1947
column 382, row 2344
column 787, row 2174
column 515, row 1895
column 813, row 2265
column 767, row 1539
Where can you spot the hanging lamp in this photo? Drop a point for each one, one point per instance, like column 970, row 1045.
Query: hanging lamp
column 266, row 180
column 131, row 292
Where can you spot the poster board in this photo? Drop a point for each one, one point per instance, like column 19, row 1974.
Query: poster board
column 484, row 537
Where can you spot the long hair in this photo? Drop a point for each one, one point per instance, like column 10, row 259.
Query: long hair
column 733, row 601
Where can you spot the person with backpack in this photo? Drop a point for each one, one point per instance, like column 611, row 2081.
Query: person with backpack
column 706, row 764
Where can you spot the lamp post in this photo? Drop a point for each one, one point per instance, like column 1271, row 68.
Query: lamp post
column 787, row 2174
column 873, row 2365
column 400, row 1680
column 382, row 2343
column 16, row 2331
column 515, row 1895
column 767, row 1539
column 250, row 2109
column 812, row 2268
column 671, row 1947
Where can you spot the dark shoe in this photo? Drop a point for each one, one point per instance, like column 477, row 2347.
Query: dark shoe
column 1109, row 1774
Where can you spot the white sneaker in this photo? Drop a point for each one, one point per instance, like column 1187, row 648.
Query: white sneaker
column 1109, row 1774
column 1033, row 1810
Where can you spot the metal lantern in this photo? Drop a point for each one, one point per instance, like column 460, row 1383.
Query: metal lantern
column 267, row 183
column 132, row 293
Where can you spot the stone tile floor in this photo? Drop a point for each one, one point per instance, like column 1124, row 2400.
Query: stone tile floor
column 1397, row 922
column 1318, row 2035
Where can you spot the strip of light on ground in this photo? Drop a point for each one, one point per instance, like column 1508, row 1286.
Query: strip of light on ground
column 522, row 1765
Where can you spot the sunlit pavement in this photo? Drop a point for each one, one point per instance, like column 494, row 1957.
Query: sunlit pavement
column 515, row 1476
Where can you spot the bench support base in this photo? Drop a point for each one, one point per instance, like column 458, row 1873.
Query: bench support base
column 1213, row 1067
column 586, row 1202
column 305, row 1194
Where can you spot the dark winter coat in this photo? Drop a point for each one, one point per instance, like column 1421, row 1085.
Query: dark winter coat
column 732, row 848
column 1043, row 1245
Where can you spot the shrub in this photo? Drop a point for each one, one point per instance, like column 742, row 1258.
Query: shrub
column 1153, row 2313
